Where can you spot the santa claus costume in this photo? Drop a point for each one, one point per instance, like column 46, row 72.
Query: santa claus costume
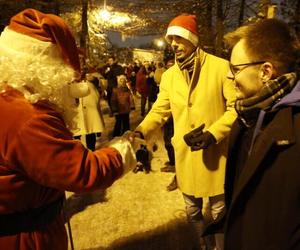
column 39, row 159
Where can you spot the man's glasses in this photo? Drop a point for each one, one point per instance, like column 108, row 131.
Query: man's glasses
column 235, row 69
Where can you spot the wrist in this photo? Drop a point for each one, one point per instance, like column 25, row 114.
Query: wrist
column 140, row 134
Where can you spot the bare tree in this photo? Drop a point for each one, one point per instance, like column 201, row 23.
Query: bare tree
column 242, row 10
column 84, row 27
column 219, row 28
column 208, row 23
column 297, row 18
column 56, row 7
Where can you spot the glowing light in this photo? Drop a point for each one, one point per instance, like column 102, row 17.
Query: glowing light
column 120, row 19
column 109, row 18
column 160, row 43
column 104, row 14
column 112, row 19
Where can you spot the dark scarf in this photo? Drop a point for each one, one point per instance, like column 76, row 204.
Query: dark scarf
column 191, row 66
column 188, row 63
column 273, row 90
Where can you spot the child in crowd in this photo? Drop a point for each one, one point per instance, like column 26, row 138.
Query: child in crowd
column 122, row 103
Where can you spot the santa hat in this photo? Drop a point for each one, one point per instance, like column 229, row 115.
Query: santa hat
column 185, row 26
column 37, row 33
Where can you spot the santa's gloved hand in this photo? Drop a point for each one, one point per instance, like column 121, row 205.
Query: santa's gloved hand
column 191, row 137
column 203, row 141
column 125, row 148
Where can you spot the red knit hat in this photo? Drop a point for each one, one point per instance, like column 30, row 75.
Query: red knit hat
column 47, row 28
column 185, row 26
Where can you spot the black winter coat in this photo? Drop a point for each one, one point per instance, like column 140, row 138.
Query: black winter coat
column 111, row 75
column 264, row 207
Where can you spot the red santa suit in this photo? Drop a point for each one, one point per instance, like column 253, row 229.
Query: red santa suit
column 39, row 160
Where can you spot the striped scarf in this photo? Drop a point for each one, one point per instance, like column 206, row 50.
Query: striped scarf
column 191, row 66
column 273, row 90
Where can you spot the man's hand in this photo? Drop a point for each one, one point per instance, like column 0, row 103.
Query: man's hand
column 136, row 139
column 197, row 139
column 203, row 141
column 131, row 135
column 191, row 137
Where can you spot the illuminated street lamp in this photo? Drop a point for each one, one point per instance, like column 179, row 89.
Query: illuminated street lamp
column 104, row 13
column 159, row 43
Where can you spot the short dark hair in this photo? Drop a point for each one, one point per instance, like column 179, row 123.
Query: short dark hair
column 160, row 64
column 95, row 81
column 269, row 40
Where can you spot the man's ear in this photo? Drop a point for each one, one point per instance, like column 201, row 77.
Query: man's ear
column 267, row 71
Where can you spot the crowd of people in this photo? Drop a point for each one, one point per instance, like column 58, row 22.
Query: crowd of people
column 120, row 85
column 231, row 130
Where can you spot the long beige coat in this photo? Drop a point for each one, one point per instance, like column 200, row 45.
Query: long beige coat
column 211, row 101
column 89, row 117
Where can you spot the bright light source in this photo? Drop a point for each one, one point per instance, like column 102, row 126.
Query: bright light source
column 104, row 14
column 160, row 43
column 120, row 19
column 109, row 19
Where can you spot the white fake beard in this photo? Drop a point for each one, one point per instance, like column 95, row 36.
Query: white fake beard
column 47, row 79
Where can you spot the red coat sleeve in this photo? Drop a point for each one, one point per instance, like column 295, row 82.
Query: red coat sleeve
column 43, row 150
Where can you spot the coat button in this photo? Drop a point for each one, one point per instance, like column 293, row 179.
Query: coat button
column 192, row 126
column 190, row 104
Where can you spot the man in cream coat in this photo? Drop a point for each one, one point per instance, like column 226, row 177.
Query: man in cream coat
column 195, row 91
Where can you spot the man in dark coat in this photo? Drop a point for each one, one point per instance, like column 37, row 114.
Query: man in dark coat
column 112, row 71
column 262, row 186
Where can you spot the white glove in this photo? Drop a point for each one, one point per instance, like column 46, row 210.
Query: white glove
column 123, row 145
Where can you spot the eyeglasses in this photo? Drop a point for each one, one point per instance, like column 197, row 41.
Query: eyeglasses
column 235, row 69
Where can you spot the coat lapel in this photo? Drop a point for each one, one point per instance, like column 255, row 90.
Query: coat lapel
column 199, row 61
column 279, row 133
column 230, row 171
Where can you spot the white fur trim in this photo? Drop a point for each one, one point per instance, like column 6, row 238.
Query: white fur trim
column 12, row 42
column 78, row 90
column 182, row 32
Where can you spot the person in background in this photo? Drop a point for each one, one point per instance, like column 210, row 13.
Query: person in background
column 262, row 186
column 122, row 103
column 153, row 87
column 131, row 76
column 142, row 88
column 160, row 69
column 168, row 131
column 196, row 92
column 89, row 117
column 39, row 159
column 112, row 71
column 132, row 79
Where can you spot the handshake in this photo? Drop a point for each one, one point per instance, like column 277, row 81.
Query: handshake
column 197, row 139
column 134, row 152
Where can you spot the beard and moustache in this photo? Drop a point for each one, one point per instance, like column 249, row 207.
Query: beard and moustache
column 42, row 78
